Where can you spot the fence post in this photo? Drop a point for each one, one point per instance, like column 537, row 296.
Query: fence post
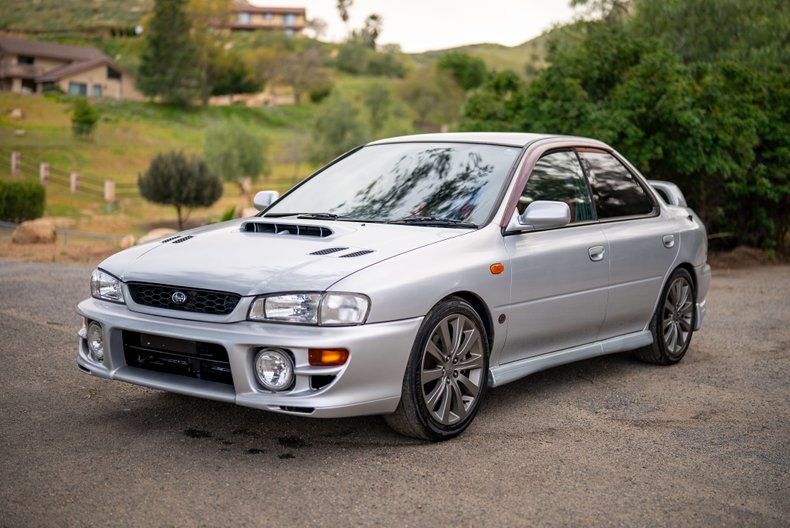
column 74, row 179
column 109, row 193
column 16, row 158
column 43, row 172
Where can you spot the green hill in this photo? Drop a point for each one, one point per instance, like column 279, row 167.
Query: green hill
column 63, row 17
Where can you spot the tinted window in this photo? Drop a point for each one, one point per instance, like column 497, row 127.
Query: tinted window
column 456, row 181
column 615, row 190
column 559, row 177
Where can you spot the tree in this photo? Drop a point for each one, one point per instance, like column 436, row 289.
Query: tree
column 304, row 72
column 168, row 66
column 433, row 95
column 372, row 29
column 173, row 179
column 469, row 72
column 234, row 153
column 83, row 117
column 339, row 128
column 342, row 7
column 214, row 63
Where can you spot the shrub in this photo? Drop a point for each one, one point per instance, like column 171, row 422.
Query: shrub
column 20, row 201
column 83, row 117
column 175, row 180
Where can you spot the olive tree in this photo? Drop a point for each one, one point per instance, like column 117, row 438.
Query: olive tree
column 173, row 179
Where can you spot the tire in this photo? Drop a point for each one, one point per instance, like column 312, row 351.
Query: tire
column 672, row 325
column 446, row 376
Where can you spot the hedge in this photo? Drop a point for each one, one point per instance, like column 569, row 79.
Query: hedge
column 20, row 200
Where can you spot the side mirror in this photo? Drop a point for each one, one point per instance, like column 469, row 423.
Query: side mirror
column 541, row 214
column 264, row 199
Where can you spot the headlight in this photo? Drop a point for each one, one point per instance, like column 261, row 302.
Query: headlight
column 106, row 287
column 328, row 309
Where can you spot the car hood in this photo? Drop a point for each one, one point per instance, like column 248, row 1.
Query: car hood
column 237, row 257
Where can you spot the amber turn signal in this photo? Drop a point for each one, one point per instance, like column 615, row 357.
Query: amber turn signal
column 497, row 268
column 327, row 357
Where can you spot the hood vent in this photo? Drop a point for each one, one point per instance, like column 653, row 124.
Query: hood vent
column 286, row 229
column 357, row 253
column 328, row 251
column 177, row 239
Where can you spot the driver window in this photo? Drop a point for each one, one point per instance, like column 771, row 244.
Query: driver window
column 558, row 177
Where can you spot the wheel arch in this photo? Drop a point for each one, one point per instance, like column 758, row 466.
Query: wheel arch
column 482, row 310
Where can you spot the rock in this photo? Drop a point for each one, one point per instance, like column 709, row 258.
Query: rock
column 249, row 211
column 19, row 132
column 155, row 234
column 16, row 113
column 40, row 231
column 127, row 241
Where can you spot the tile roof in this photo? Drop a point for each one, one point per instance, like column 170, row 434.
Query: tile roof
column 37, row 48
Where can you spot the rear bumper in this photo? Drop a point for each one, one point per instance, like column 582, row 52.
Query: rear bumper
column 369, row 383
column 703, row 276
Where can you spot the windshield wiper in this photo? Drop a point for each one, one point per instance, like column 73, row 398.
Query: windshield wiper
column 320, row 216
column 433, row 221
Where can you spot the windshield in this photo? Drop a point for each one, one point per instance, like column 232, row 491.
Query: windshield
column 393, row 182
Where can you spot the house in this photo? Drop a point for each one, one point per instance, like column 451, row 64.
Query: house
column 247, row 17
column 34, row 67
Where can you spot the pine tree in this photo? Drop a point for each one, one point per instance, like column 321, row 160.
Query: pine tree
column 168, row 67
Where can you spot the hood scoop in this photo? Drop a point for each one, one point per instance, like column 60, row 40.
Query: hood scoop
column 286, row 229
column 177, row 239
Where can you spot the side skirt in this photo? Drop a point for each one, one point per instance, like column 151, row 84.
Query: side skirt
column 518, row 369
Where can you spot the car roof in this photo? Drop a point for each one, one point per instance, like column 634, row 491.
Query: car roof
column 513, row 139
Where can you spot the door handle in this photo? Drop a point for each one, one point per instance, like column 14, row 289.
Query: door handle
column 669, row 241
column 596, row 253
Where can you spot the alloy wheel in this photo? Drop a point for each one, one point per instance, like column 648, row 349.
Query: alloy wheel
column 451, row 371
column 678, row 314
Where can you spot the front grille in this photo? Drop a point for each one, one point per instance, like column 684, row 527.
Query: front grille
column 198, row 301
column 194, row 359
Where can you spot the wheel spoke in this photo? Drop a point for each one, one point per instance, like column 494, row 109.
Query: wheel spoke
column 684, row 295
column 432, row 398
column 458, row 334
column 471, row 387
column 686, row 325
column 473, row 362
column 458, row 408
column 434, row 351
column 447, row 342
column 674, row 340
column 430, row 375
column 444, row 406
column 472, row 337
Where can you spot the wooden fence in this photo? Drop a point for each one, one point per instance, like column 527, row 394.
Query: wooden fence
column 107, row 190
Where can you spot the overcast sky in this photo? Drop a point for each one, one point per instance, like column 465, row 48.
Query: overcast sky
column 421, row 25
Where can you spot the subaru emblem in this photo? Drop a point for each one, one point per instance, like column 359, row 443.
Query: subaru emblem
column 179, row 297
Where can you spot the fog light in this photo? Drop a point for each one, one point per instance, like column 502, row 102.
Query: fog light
column 274, row 369
column 95, row 341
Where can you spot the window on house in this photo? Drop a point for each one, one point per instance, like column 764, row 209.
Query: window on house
column 267, row 16
column 76, row 88
column 112, row 73
column 289, row 19
column 25, row 59
column 97, row 90
column 49, row 86
column 290, row 32
column 244, row 18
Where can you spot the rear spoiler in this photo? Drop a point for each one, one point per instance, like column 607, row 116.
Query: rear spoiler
column 669, row 192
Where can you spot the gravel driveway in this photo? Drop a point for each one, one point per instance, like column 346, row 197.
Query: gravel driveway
column 608, row 441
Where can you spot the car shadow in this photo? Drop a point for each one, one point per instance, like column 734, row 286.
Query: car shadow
column 232, row 428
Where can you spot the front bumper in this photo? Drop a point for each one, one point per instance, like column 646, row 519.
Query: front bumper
column 369, row 383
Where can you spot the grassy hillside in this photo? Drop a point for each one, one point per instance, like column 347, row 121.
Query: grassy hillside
column 128, row 136
column 71, row 15
column 522, row 59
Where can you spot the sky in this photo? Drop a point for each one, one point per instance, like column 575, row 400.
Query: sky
column 422, row 25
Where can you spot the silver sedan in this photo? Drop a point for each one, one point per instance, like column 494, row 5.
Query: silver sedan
column 405, row 278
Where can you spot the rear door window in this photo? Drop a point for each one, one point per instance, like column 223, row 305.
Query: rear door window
column 616, row 191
